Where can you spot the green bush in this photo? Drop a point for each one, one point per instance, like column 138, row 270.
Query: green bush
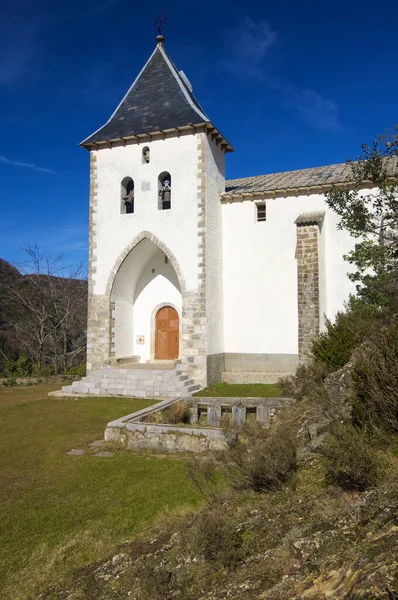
column 351, row 460
column 376, row 382
column 20, row 367
column 335, row 345
column 260, row 459
column 79, row 370
column 306, row 382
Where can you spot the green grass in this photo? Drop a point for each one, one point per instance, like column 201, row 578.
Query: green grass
column 59, row 512
column 243, row 390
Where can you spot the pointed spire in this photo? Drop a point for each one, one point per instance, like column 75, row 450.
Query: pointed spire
column 159, row 100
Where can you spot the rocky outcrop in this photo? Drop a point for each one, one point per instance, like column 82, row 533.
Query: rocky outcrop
column 292, row 554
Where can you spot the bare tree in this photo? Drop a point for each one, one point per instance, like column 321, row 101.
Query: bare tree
column 49, row 307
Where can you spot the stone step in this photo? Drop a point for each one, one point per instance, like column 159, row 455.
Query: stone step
column 160, row 365
column 159, row 379
column 128, row 360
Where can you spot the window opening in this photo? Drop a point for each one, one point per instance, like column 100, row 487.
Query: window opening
column 261, row 211
column 146, row 155
column 202, row 414
column 164, row 201
column 251, row 414
column 127, row 193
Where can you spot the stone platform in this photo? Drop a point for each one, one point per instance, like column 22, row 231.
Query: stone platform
column 155, row 379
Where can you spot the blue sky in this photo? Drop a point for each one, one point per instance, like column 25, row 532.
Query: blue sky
column 290, row 84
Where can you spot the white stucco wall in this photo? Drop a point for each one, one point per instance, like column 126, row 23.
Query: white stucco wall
column 260, row 273
column 177, row 228
column 215, row 185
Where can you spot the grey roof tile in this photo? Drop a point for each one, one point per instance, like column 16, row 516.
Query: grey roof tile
column 303, row 178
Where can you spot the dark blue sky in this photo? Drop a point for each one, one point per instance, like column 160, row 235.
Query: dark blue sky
column 290, row 85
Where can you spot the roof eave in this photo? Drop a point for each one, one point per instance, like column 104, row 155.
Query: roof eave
column 206, row 126
column 284, row 192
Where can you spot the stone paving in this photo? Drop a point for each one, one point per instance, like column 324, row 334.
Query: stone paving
column 94, row 449
column 75, row 452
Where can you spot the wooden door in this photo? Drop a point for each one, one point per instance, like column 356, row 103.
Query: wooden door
column 167, row 333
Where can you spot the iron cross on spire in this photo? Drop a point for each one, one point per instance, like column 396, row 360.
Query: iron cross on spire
column 159, row 23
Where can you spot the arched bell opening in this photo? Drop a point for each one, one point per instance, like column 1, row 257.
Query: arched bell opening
column 127, row 196
column 164, row 186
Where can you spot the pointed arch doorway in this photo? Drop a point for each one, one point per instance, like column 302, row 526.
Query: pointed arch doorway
column 167, row 342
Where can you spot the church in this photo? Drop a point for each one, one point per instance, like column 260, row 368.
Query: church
column 194, row 279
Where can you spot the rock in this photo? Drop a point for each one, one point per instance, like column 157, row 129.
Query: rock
column 96, row 443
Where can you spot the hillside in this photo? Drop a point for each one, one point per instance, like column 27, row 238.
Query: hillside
column 42, row 317
column 8, row 275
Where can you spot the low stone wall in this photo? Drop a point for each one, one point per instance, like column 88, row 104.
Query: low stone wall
column 168, row 438
column 136, row 431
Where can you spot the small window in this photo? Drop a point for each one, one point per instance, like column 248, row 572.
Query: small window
column 146, row 155
column 261, row 211
column 164, row 200
column 127, row 196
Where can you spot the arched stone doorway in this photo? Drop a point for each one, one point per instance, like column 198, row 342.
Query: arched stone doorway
column 167, row 334
column 145, row 280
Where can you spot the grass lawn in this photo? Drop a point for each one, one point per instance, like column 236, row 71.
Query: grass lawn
column 58, row 512
column 243, row 390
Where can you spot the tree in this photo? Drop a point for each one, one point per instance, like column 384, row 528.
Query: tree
column 369, row 212
column 48, row 313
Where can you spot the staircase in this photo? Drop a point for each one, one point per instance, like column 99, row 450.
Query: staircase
column 164, row 379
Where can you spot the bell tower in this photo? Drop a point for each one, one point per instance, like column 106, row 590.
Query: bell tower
column 156, row 175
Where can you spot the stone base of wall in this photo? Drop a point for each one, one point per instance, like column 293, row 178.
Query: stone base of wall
column 253, row 377
column 215, row 368
column 260, row 363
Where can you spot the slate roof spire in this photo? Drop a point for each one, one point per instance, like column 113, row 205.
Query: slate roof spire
column 160, row 99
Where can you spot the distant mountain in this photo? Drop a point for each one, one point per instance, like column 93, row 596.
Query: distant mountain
column 8, row 275
column 7, row 272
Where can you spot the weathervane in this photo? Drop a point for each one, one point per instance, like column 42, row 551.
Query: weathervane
column 159, row 23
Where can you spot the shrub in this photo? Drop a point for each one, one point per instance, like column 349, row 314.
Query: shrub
column 215, row 537
column 351, row 461
column 376, row 382
column 261, row 459
column 307, row 381
column 79, row 370
column 178, row 412
column 335, row 345
column 20, row 367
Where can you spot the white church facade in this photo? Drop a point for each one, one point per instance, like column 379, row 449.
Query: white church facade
column 231, row 278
